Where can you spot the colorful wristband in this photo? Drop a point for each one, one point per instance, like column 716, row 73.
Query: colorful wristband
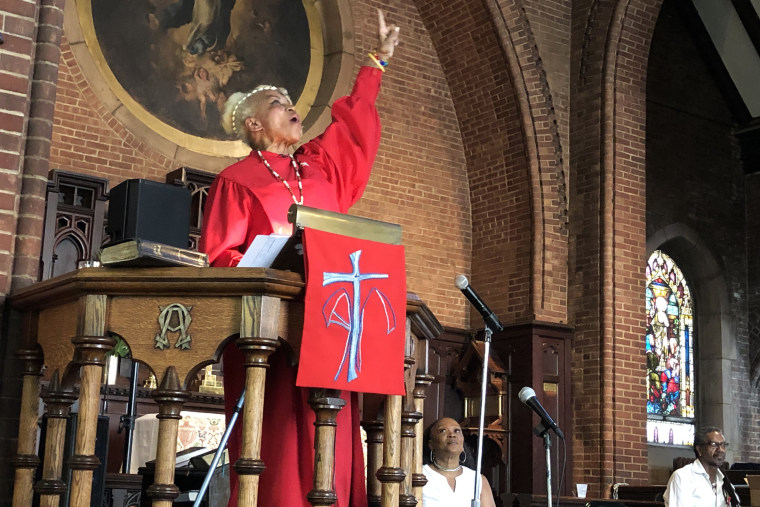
column 381, row 64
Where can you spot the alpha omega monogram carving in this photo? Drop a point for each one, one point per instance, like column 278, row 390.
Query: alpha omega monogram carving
column 174, row 318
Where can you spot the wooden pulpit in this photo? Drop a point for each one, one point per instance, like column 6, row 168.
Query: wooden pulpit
column 177, row 320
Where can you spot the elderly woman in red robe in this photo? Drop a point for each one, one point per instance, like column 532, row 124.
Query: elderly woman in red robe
column 252, row 197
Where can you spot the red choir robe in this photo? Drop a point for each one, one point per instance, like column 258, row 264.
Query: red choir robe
column 246, row 200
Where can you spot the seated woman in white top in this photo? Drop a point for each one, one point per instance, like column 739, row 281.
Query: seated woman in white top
column 449, row 482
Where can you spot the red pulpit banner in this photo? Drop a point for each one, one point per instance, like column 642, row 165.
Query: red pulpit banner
column 354, row 314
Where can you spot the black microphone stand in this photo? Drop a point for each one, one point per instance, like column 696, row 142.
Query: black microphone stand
column 127, row 421
column 481, row 423
column 542, row 430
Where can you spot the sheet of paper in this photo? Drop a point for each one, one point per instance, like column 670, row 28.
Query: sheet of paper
column 263, row 251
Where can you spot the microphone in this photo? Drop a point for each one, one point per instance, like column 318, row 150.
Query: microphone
column 492, row 321
column 528, row 396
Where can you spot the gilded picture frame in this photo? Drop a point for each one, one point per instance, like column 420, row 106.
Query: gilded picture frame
column 164, row 67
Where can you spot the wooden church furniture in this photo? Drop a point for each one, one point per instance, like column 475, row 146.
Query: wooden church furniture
column 176, row 321
column 75, row 207
column 536, row 355
column 528, row 500
column 652, row 493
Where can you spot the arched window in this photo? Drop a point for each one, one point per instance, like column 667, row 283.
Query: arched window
column 670, row 337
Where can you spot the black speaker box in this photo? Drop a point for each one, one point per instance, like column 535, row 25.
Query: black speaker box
column 144, row 209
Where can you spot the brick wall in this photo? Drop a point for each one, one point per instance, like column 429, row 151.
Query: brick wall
column 18, row 26
column 462, row 127
column 31, row 206
column 494, row 148
column 623, row 313
column 588, row 36
column 607, row 243
column 88, row 139
column 550, row 23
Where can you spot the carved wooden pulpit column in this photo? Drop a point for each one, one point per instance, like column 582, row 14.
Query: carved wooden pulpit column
column 326, row 403
column 90, row 349
column 259, row 330
column 170, row 397
column 422, row 382
column 26, row 460
column 58, row 403
column 374, row 431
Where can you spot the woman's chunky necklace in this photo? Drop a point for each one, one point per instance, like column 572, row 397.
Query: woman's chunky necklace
column 287, row 185
column 439, row 467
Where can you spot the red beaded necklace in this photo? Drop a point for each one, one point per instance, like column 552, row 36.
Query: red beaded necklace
column 278, row 177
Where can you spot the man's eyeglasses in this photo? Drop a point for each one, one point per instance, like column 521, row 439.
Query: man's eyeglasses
column 715, row 445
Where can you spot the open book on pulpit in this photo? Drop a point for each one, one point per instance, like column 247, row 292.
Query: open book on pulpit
column 285, row 252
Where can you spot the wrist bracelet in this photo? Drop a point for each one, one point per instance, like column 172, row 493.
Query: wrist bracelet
column 381, row 64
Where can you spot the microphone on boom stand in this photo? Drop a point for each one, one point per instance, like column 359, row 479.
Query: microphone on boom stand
column 491, row 324
column 489, row 317
column 528, row 396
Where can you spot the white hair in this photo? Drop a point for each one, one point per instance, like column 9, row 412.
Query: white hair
column 239, row 107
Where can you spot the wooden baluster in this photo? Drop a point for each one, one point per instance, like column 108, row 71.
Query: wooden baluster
column 58, row 402
column 259, row 330
column 90, row 350
column 374, row 431
column 170, row 398
column 326, row 404
column 391, row 475
column 409, row 421
column 26, row 461
column 422, row 381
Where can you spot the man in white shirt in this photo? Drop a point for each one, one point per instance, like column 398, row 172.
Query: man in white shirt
column 701, row 484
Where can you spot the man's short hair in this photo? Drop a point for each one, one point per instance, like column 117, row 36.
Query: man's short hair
column 700, row 436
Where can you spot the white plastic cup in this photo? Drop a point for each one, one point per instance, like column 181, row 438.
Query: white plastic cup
column 581, row 489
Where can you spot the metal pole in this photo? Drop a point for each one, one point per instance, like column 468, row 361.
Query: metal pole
column 127, row 421
column 482, row 419
column 547, row 446
column 220, row 449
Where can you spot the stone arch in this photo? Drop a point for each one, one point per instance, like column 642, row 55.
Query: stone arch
column 514, row 154
column 716, row 338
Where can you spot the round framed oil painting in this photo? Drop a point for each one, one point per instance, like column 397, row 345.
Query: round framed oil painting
column 173, row 63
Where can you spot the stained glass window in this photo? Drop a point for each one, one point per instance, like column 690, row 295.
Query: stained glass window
column 670, row 337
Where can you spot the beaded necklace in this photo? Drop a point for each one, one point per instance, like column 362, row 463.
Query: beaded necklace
column 287, row 185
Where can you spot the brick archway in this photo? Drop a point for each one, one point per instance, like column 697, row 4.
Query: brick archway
column 513, row 151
